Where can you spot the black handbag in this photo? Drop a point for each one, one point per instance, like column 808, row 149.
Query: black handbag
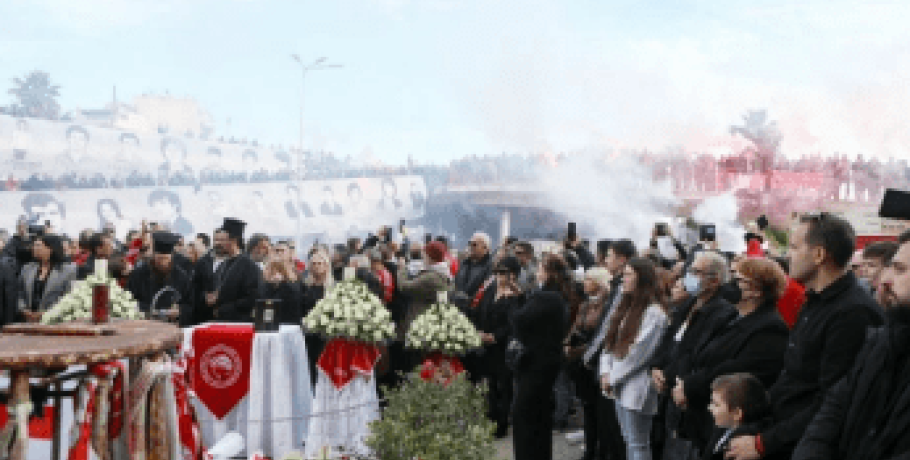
column 677, row 448
column 515, row 354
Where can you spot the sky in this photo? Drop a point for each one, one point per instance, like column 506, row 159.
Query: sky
column 442, row 79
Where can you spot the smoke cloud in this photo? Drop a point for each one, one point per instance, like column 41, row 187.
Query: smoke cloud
column 608, row 197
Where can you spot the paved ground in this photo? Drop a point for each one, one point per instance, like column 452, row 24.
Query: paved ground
column 562, row 449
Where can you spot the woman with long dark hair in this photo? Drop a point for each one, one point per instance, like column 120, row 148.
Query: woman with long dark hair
column 538, row 328
column 634, row 330
column 43, row 282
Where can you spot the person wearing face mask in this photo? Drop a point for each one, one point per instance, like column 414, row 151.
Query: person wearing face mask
column 830, row 331
column 692, row 323
column 866, row 415
column 753, row 342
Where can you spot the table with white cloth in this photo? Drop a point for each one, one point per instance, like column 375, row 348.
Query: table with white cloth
column 273, row 416
column 346, row 401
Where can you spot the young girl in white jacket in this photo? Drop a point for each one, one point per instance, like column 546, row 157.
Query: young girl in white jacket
column 635, row 327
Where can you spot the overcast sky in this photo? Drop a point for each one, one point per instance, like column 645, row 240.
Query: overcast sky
column 439, row 79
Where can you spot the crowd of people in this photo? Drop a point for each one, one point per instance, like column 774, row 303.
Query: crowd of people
column 826, row 179
column 706, row 355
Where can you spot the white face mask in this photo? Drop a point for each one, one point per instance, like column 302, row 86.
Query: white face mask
column 692, row 284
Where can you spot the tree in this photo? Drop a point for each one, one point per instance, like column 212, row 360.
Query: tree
column 35, row 96
column 765, row 139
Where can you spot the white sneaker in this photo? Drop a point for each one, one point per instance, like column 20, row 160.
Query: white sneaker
column 576, row 436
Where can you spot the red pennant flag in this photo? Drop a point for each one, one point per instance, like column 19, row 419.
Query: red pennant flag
column 221, row 366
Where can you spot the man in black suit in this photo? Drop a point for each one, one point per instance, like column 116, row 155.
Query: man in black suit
column 204, row 277
column 100, row 246
column 8, row 290
column 237, row 279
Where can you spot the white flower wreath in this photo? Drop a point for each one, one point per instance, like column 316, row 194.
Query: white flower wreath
column 77, row 304
column 443, row 328
column 351, row 310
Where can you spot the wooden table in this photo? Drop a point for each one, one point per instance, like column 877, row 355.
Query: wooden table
column 20, row 352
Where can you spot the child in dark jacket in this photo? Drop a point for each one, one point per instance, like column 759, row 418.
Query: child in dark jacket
column 740, row 405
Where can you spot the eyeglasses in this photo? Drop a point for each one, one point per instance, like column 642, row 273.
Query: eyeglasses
column 741, row 280
column 820, row 218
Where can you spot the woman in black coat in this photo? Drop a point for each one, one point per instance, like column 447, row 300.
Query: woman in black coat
column 316, row 283
column 539, row 326
column 752, row 342
column 500, row 299
column 281, row 284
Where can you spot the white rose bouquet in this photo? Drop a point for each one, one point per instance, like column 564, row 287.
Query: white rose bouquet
column 443, row 328
column 77, row 304
column 350, row 310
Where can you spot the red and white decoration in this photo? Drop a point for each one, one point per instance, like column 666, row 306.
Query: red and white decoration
column 255, row 384
column 346, row 400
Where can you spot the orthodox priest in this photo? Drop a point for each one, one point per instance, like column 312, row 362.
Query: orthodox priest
column 236, row 280
column 160, row 286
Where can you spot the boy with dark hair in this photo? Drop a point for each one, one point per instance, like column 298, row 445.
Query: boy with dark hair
column 737, row 400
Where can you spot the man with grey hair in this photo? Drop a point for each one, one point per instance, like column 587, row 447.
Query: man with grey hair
column 692, row 323
column 477, row 267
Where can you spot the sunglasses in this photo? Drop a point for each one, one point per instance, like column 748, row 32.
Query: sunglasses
column 820, row 218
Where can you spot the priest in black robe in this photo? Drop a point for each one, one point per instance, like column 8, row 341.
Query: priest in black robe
column 160, row 286
column 237, row 279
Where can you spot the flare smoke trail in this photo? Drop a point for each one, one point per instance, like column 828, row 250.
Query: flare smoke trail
column 612, row 198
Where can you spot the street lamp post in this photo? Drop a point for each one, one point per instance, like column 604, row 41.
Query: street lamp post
column 318, row 64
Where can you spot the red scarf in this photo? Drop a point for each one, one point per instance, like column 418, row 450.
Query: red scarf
column 479, row 296
column 342, row 359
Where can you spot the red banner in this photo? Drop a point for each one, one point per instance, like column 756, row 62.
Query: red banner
column 343, row 359
column 221, row 366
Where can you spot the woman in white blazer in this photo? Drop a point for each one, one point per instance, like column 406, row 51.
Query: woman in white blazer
column 635, row 328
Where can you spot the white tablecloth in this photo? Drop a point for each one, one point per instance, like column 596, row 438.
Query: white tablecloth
column 341, row 417
column 273, row 417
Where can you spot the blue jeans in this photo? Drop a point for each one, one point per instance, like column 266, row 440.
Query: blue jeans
column 636, row 430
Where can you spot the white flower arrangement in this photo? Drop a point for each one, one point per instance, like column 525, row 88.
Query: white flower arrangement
column 443, row 328
column 77, row 304
column 350, row 310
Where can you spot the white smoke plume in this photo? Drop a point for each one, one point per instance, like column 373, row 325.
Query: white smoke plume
column 608, row 197
column 722, row 210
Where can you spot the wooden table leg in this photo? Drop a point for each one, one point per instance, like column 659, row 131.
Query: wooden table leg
column 58, row 409
column 19, row 395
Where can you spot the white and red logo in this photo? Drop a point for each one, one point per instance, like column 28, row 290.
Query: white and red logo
column 221, row 366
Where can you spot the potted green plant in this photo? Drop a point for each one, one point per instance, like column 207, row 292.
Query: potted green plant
column 428, row 421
